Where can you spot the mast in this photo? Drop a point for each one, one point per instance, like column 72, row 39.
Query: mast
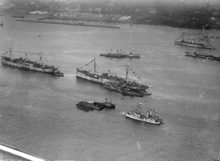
column 94, row 66
column 183, row 35
column 126, row 72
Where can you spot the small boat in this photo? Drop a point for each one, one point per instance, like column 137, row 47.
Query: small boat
column 150, row 117
column 106, row 104
column 120, row 55
column 191, row 43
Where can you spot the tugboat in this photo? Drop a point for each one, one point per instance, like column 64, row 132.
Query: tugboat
column 93, row 105
column 26, row 64
column 120, row 55
column 151, row 116
column 107, row 104
column 191, row 42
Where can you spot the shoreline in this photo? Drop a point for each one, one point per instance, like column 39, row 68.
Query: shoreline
column 64, row 23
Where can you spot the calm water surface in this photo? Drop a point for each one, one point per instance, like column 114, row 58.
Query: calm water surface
column 38, row 113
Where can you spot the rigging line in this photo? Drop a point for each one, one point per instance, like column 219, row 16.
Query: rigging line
column 179, row 37
column 106, row 62
column 135, row 74
column 87, row 64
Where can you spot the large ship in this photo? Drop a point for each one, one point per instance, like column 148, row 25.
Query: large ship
column 105, row 78
column 202, row 56
column 150, row 117
column 120, row 55
column 94, row 76
column 25, row 63
column 182, row 40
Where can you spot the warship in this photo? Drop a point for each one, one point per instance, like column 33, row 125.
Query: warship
column 182, row 40
column 202, row 56
column 27, row 64
column 120, row 55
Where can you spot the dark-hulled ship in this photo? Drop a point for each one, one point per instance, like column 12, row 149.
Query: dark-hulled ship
column 94, row 105
column 126, row 91
column 26, row 64
column 202, row 56
column 191, row 43
column 150, row 117
column 120, row 55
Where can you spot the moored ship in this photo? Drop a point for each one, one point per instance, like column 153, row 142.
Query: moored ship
column 95, row 76
column 94, row 105
column 191, row 43
column 108, row 78
column 26, row 64
column 202, row 56
column 150, row 117
column 120, row 55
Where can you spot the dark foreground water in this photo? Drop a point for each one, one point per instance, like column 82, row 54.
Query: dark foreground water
column 38, row 113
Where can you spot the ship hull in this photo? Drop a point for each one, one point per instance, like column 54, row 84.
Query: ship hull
column 95, row 78
column 26, row 66
column 121, row 55
column 202, row 56
column 90, row 106
column 192, row 45
column 143, row 120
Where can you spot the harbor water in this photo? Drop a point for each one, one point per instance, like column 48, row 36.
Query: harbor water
column 38, row 112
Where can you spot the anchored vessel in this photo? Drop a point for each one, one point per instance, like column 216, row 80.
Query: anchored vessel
column 103, row 78
column 191, row 43
column 202, row 56
column 95, row 76
column 25, row 63
column 150, row 117
column 93, row 105
column 124, row 90
column 120, row 55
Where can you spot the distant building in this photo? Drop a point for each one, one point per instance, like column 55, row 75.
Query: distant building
column 137, row 10
column 153, row 11
column 98, row 10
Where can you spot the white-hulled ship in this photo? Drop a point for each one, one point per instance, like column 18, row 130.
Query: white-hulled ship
column 95, row 76
column 150, row 117
column 104, row 78
column 191, row 43
column 26, row 64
